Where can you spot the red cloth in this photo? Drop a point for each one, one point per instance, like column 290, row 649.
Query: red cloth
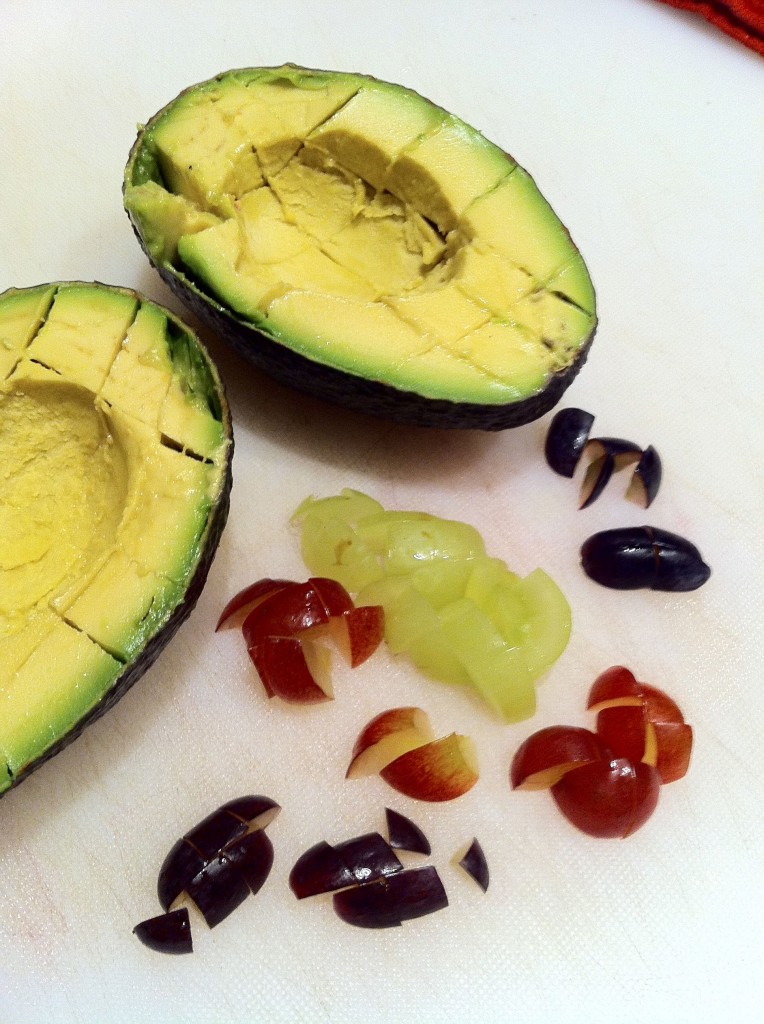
column 741, row 19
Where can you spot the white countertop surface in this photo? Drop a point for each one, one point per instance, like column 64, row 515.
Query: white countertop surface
column 643, row 127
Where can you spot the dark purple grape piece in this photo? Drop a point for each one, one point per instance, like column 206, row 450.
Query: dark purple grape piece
column 566, row 438
column 259, row 809
column 404, row 834
column 596, row 477
column 368, row 857
column 624, row 452
column 168, row 933
column 218, row 890
column 180, row 865
column 390, row 901
column 637, row 557
column 475, row 864
column 320, row 869
column 646, row 479
column 216, row 831
column 252, row 856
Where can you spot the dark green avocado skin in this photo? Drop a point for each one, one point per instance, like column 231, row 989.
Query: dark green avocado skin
column 361, row 394
column 208, row 544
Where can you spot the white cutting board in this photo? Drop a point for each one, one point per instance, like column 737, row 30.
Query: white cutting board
column 643, row 127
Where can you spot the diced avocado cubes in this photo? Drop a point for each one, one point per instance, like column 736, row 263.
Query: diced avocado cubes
column 365, row 228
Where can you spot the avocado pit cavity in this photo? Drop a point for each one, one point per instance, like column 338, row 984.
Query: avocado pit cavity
column 64, row 491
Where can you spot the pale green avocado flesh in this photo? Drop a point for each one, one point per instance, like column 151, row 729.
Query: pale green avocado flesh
column 366, row 229
column 114, row 453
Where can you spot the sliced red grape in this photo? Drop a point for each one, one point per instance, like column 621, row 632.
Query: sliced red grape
column 242, row 603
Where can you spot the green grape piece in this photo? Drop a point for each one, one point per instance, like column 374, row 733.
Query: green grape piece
column 413, row 544
column 442, row 582
column 375, row 529
column 348, row 506
column 331, row 548
column 547, row 621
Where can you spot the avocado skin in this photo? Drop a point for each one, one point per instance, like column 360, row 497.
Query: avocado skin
column 361, row 394
column 208, row 544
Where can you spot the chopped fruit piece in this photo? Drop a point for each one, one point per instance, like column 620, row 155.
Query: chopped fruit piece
column 626, row 732
column 566, row 439
column 217, row 890
column 239, row 607
column 404, row 834
column 284, row 613
column 283, row 623
column 608, row 799
column 475, row 864
column 220, row 860
column 357, row 632
column 386, row 737
column 461, row 616
column 389, row 902
column 547, row 755
column 635, row 557
column 644, row 485
column 617, row 687
column 297, row 671
column 673, row 742
column 168, row 933
column 607, row 784
column 441, row 770
column 324, row 868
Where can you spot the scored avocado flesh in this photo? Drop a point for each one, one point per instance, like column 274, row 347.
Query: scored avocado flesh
column 365, row 228
column 113, row 452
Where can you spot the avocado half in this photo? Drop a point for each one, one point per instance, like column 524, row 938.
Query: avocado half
column 362, row 245
column 115, row 447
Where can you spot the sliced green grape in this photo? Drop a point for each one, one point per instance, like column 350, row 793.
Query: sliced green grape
column 331, row 548
column 375, row 529
column 497, row 669
column 431, row 652
column 506, row 608
column 442, row 581
column 412, row 544
column 348, row 506
column 487, row 575
column 514, row 701
column 547, row 625
column 407, row 613
column 461, row 616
